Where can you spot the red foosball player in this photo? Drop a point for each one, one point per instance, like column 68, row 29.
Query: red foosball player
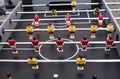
column 68, row 19
column 109, row 43
column 100, row 19
column 12, row 44
column 35, row 44
column 36, row 19
column 37, row 26
column 59, row 44
column 84, row 43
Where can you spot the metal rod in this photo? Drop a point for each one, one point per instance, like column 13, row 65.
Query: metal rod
column 55, row 19
column 72, row 22
column 63, row 29
column 1, row 20
column 33, row 12
column 88, row 16
column 74, row 42
column 23, row 49
column 114, row 10
column 111, row 3
column 117, row 18
column 35, row 5
column 62, row 61
column 58, row 11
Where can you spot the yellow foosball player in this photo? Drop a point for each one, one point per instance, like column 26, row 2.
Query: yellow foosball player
column 33, row 62
column 53, row 12
column 29, row 30
column 110, row 29
column 72, row 29
column 93, row 28
column 50, row 29
column 80, row 61
column 96, row 10
column 73, row 4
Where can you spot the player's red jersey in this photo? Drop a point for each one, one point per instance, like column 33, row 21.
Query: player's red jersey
column 12, row 42
column 109, row 42
column 35, row 42
column 36, row 19
column 68, row 17
column 84, row 42
column 59, row 42
column 100, row 17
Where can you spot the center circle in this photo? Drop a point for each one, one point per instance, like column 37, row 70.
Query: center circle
column 49, row 52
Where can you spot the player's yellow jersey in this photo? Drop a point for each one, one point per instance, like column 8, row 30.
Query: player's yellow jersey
column 80, row 61
column 73, row 3
column 72, row 28
column 29, row 29
column 50, row 28
column 110, row 28
column 93, row 28
column 53, row 12
column 96, row 10
column 32, row 61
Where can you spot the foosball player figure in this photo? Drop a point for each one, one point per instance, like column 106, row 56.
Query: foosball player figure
column 33, row 62
column 100, row 19
column 29, row 30
column 35, row 44
column 96, row 11
column 80, row 61
column 50, row 29
column 12, row 44
column 53, row 12
column 109, row 43
column 84, row 43
column 110, row 29
column 93, row 28
column 36, row 19
column 73, row 4
column 59, row 43
column 36, row 26
column 2, row 11
column 68, row 19
column 9, row 76
column 94, row 76
column 72, row 29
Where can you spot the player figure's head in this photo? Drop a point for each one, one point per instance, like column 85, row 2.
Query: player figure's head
column 59, row 37
column 10, row 38
column 84, row 37
column 9, row 76
column 110, row 37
